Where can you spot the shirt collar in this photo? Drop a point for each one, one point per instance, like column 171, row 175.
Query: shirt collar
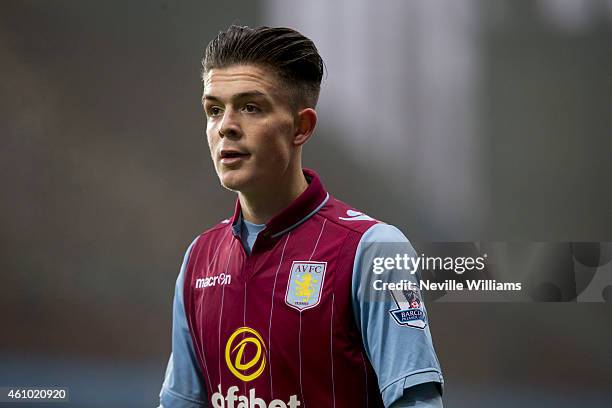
column 303, row 207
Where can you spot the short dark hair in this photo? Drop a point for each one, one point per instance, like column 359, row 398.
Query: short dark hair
column 291, row 55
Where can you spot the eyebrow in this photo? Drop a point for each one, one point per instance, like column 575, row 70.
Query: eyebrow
column 238, row 96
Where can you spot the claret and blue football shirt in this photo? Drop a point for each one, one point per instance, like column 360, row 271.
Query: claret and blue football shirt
column 289, row 319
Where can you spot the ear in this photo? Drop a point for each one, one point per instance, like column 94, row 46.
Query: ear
column 306, row 121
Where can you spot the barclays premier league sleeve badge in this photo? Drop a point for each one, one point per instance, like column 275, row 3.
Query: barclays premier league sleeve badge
column 305, row 284
column 410, row 311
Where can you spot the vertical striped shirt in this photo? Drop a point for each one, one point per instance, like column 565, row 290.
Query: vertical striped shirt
column 291, row 324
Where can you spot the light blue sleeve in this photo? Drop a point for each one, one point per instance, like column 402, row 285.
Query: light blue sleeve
column 394, row 326
column 424, row 395
column 183, row 385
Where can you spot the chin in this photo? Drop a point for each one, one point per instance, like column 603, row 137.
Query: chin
column 233, row 180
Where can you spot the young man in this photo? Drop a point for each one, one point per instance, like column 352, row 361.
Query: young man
column 273, row 307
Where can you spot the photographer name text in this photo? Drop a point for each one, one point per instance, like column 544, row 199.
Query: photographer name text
column 448, row 285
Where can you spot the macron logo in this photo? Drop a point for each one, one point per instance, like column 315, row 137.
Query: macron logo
column 221, row 279
column 356, row 216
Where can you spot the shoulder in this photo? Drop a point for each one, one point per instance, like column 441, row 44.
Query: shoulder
column 216, row 233
column 382, row 232
column 370, row 229
column 222, row 227
column 347, row 217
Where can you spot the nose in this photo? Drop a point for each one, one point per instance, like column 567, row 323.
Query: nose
column 229, row 126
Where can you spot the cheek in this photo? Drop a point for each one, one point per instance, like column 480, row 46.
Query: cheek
column 277, row 150
column 210, row 137
column 280, row 138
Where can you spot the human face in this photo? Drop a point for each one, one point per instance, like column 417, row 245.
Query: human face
column 250, row 127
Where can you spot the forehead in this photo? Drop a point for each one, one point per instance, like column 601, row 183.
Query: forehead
column 222, row 83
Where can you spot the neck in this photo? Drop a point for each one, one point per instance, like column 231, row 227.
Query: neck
column 259, row 207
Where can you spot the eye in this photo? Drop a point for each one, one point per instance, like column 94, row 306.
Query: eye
column 214, row 111
column 250, row 108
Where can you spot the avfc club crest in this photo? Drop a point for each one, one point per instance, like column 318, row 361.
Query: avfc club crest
column 305, row 284
column 410, row 311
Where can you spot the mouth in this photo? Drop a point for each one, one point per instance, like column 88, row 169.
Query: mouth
column 231, row 156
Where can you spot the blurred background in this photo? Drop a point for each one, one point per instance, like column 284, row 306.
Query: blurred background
column 457, row 120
